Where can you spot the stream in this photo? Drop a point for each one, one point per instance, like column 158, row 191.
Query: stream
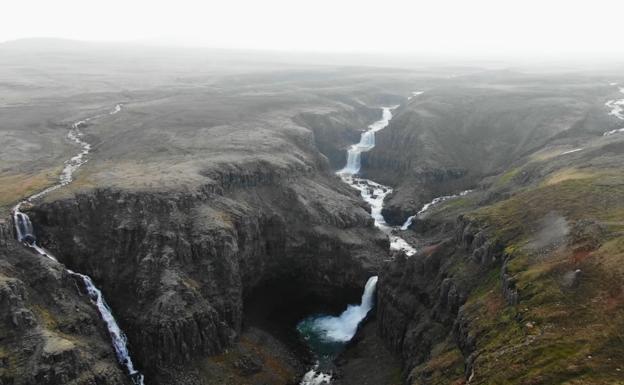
column 26, row 235
column 617, row 110
column 327, row 335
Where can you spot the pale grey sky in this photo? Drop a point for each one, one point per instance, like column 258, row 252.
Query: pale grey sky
column 416, row 26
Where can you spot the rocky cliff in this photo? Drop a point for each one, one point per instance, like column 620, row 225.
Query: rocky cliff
column 177, row 266
column 50, row 332
column 419, row 298
column 450, row 137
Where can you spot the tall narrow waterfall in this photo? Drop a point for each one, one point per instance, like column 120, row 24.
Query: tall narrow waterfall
column 25, row 233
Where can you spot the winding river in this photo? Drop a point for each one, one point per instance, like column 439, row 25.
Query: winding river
column 25, row 234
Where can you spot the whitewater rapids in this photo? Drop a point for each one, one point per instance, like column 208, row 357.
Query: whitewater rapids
column 372, row 192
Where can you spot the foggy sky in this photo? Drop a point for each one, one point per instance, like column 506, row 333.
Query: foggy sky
column 544, row 27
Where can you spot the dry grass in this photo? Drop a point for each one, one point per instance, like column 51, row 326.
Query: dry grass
column 567, row 174
column 13, row 188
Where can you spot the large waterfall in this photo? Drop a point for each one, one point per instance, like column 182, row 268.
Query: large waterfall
column 343, row 327
column 25, row 234
column 327, row 335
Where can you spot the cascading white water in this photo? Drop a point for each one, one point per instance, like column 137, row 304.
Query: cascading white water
column 427, row 206
column 25, row 234
column 343, row 327
column 366, row 143
column 617, row 110
column 328, row 334
column 118, row 337
column 374, row 193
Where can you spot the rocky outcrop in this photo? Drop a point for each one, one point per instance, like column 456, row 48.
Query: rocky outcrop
column 177, row 266
column 50, row 332
column 427, row 184
column 420, row 298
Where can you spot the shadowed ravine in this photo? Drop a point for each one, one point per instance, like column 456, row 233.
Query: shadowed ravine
column 25, row 234
column 328, row 335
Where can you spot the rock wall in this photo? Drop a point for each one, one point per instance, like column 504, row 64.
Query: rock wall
column 51, row 332
column 420, row 298
column 176, row 266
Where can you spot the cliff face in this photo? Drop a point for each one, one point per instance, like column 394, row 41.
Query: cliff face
column 520, row 281
column 176, row 266
column 420, row 298
column 50, row 332
column 335, row 132
column 447, row 139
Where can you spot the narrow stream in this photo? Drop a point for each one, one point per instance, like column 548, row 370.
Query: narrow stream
column 25, row 234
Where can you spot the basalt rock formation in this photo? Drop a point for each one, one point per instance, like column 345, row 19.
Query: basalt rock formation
column 50, row 332
column 419, row 298
column 177, row 265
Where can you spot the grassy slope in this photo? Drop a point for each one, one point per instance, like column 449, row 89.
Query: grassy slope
column 562, row 331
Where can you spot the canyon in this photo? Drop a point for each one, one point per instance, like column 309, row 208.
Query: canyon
column 214, row 211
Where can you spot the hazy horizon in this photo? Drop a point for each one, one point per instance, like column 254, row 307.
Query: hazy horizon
column 483, row 28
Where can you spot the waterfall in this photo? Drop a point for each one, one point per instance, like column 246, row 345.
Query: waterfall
column 25, row 234
column 24, row 228
column 314, row 377
column 343, row 327
column 327, row 335
column 373, row 193
column 366, row 143
column 118, row 337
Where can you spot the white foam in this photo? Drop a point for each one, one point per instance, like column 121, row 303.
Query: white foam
column 118, row 337
column 313, row 377
column 343, row 327
column 617, row 110
column 427, row 206
column 366, row 143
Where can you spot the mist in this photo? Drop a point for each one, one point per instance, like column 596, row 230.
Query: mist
column 482, row 28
